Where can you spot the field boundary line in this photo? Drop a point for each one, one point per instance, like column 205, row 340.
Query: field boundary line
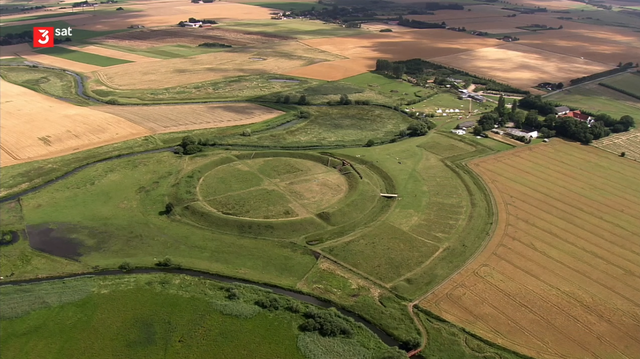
column 364, row 275
column 420, row 267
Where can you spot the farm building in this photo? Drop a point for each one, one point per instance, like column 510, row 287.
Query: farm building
column 515, row 132
column 459, row 132
column 191, row 24
column 477, row 97
column 562, row 110
column 466, row 124
column 580, row 116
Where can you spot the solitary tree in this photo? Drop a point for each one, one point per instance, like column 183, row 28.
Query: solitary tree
column 169, row 208
column 286, row 99
column 302, row 100
column 370, row 143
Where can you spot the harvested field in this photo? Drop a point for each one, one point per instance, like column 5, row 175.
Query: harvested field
column 606, row 45
column 111, row 53
column 627, row 142
column 560, row 278
column 146, row 38
column 172, row 118
column 521, row 66
column 334, row 70
column 169, row 12
column 36, row 126
column 276, row 58
column 364, row 50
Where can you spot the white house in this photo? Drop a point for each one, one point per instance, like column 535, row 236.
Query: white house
column 459, row 132
column 192, row 24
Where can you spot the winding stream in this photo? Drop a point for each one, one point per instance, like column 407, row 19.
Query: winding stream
column 386, row 338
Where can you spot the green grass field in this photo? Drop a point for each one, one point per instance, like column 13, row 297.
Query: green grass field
column 441, row 203
column 259, row 203
column 369, row 252
column 228, row 179
column 627, row 84
column 334, row 126
column 596, row 98
column 83, row 57
column 164, row 315
column 296, row 28
column 398, row 90
column 118, row 218
column 57, row 84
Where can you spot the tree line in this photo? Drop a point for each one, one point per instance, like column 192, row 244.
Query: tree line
column 621, row 68
column 417, row 24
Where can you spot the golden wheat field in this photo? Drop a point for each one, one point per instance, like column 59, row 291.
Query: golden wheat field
column 173, row 118
column 561, row 276
column 521, row 66
column 35, row 126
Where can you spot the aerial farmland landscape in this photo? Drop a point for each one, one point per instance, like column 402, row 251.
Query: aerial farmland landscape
column 320, row 179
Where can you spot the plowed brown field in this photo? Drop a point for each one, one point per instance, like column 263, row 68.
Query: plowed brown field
column 35, row 126
column 172, row 118
column 561, row 276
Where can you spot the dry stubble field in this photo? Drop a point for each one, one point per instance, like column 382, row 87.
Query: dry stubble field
column 628, row 142
column 277, row 57
column 561, row 276
column 521, row 66
column 172, row 118
column 363, row 51
column 36, row 126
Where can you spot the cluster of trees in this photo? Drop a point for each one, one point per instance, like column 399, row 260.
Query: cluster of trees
column 190, row 145
column 551, row 86
column 601, row 126
column 417, row 24
column 395, row 69
column 81, row 4
column 25, row 37
column 621, row 68
column 286, row 99
column 433, row 6
column 345, row 101
column 423, row 69
column 214, row 44
column 326, row 323
column 194, row 20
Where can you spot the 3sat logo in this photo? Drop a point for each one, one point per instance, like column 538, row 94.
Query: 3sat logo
column 44, row 36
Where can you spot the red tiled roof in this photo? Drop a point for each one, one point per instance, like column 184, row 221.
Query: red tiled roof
column 577, row 114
